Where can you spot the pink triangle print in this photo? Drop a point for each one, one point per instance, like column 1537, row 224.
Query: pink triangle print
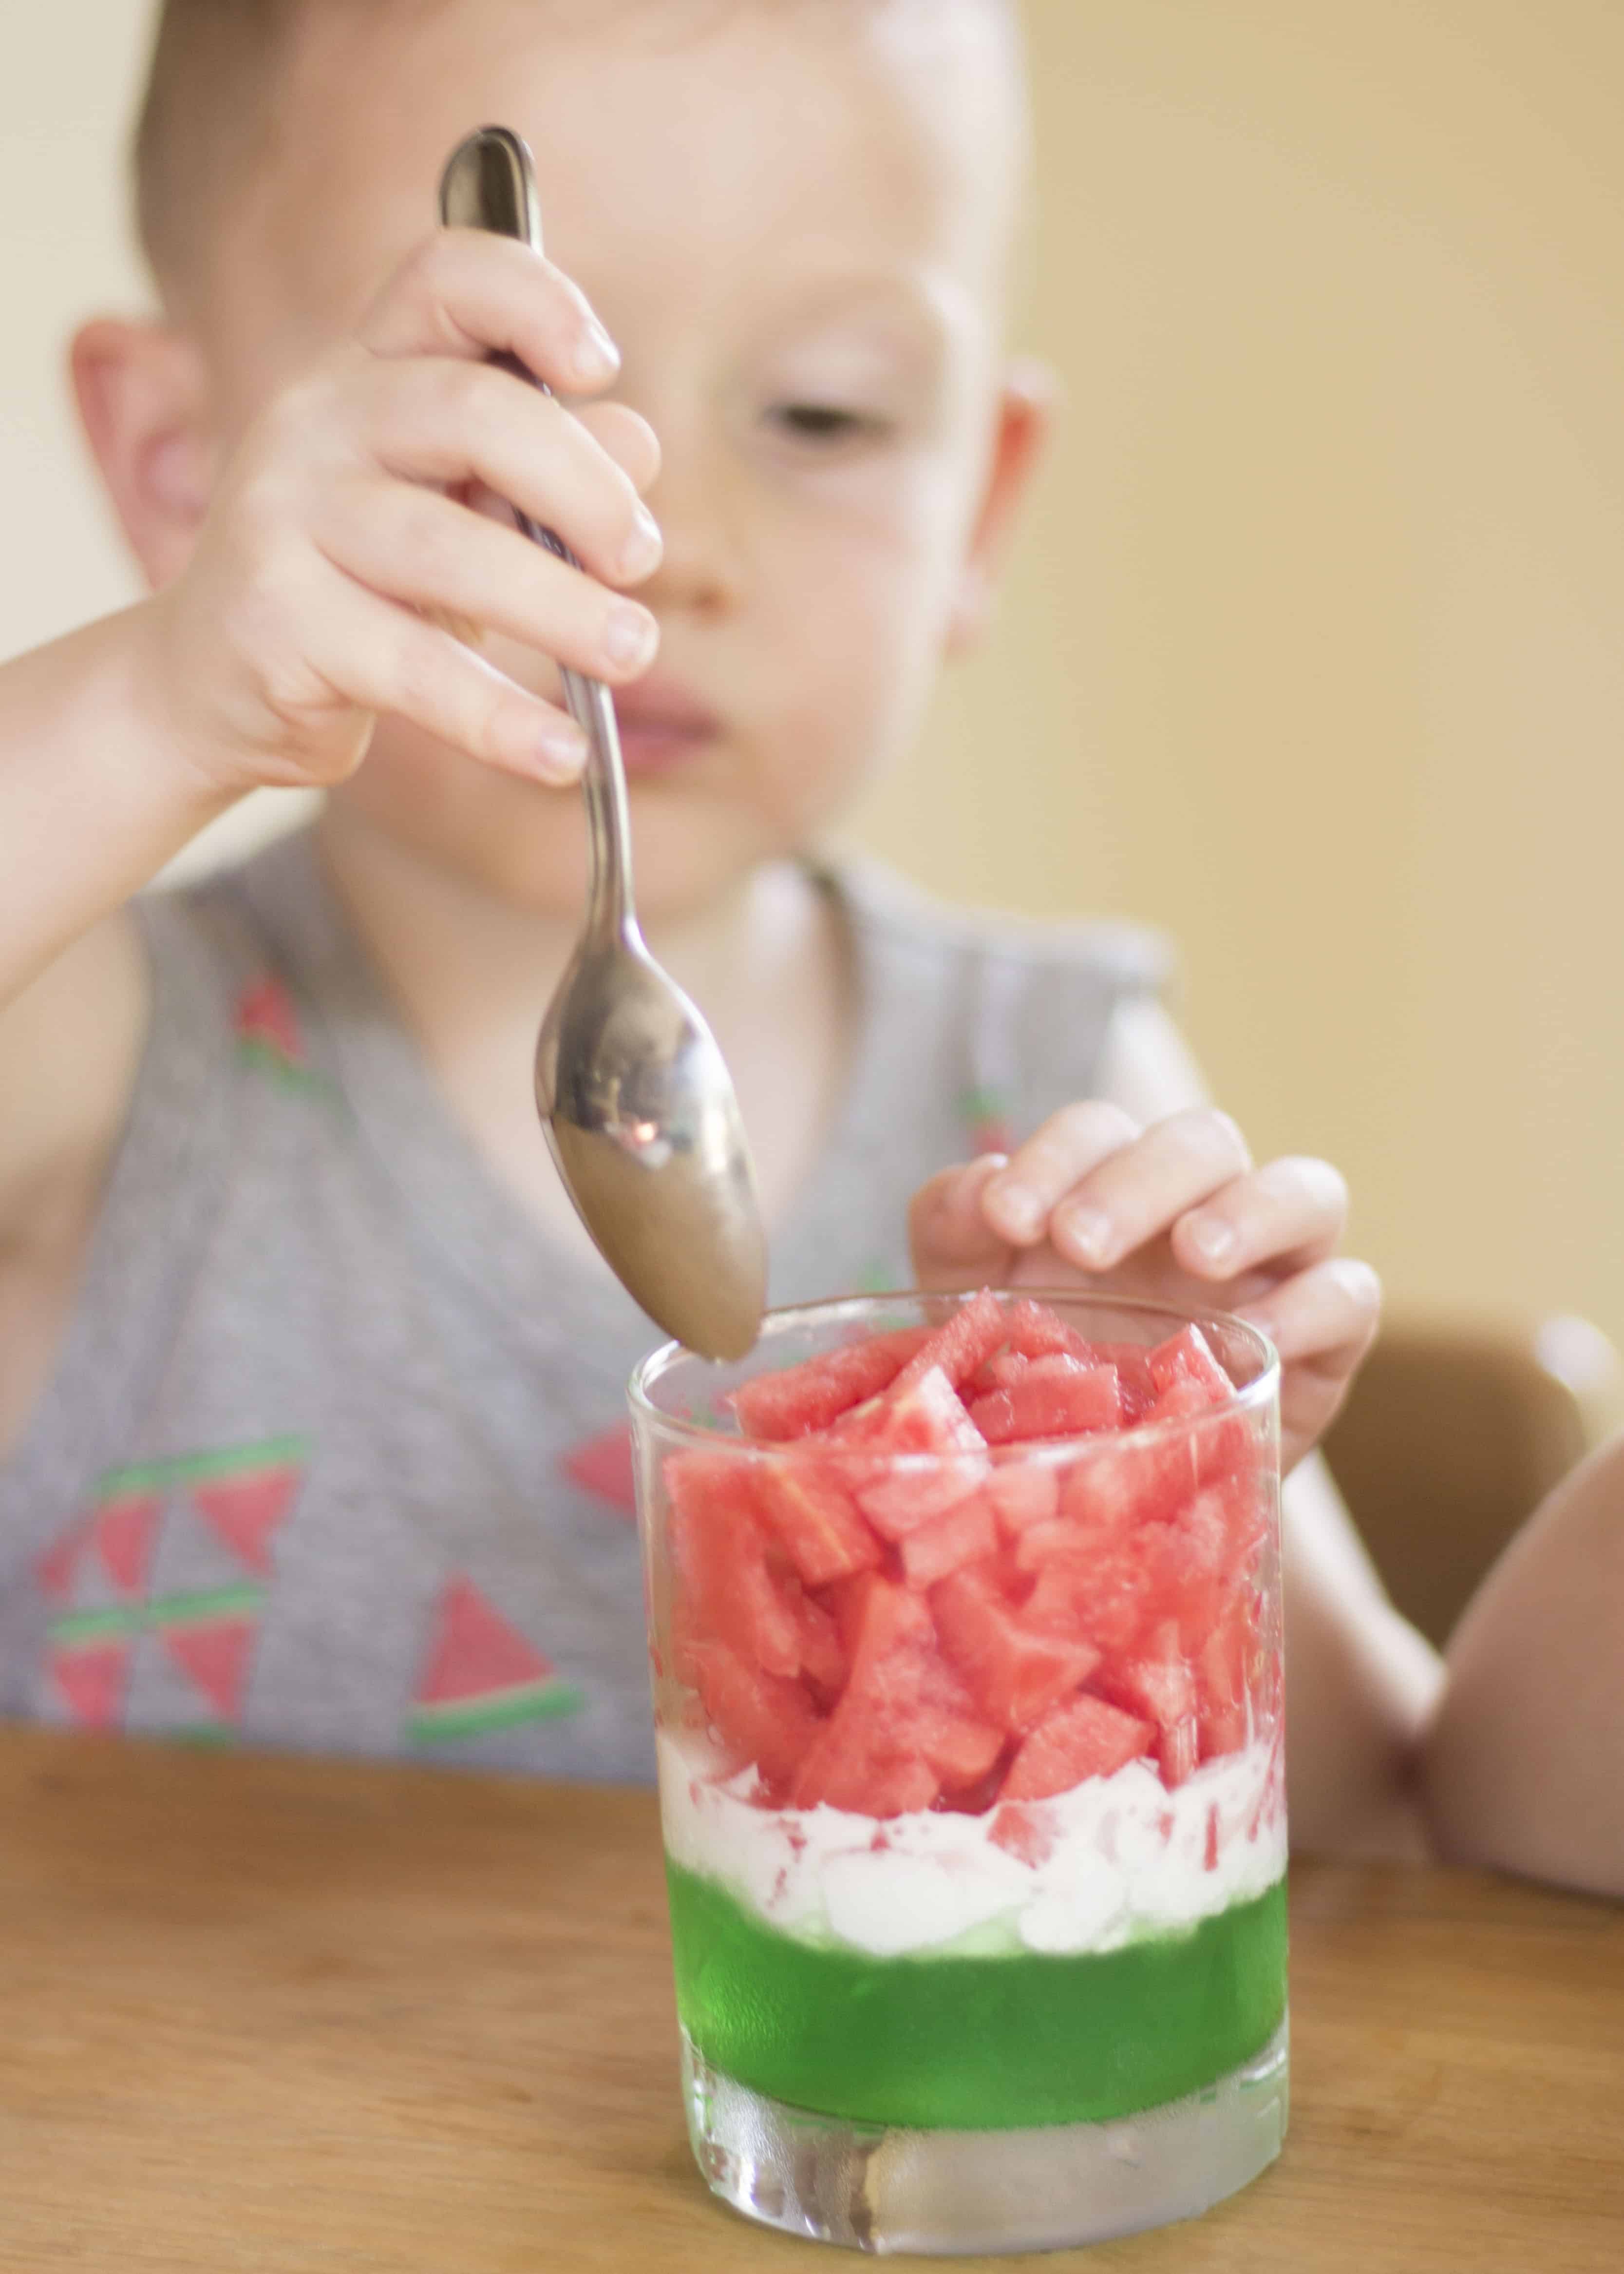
column 473, row 1651
column 603, row 1466
column 125, row 1532
column 247, row 1510
column 216, row 1657
column 57, row 1569
column 264, row 1014
column 91, row 1677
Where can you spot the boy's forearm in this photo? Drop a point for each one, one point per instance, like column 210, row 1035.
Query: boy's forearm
column 92, row 801
column 1524, row 1766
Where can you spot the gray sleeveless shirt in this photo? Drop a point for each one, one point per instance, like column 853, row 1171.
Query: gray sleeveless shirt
column 334, row 1455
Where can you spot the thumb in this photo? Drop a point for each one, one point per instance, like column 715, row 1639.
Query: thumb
column 952, row 1242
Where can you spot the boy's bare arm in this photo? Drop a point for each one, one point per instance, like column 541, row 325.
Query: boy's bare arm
column 340, row 540
column 1524, row 1766
column 1148, row 1191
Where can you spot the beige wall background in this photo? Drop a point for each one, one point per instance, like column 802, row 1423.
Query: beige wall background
column 1313, row 651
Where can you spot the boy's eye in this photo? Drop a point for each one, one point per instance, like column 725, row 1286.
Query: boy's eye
column 823, row 422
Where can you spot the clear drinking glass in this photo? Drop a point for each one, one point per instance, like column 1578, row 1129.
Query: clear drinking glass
column 956, row 1975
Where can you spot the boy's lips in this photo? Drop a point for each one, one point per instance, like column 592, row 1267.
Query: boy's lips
column 661, row 724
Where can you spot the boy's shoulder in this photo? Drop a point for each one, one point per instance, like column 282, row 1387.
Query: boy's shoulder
column 1099, row 953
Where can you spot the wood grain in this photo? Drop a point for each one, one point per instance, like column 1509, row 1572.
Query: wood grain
column 296, row 2015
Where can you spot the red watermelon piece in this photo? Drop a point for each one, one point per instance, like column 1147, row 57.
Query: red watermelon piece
column 1053, row 1396
column 1223, row 1720
column 727, row 1591
column 867, row 1756
column 1016, row 1672
column 812, row 1514
column 966, row 1341
column 801, row 1399
column 1160, row 1687
column 965, row 1534
column 927, row 1455
column 1034, row 1331
column 1024, row 1829
column 1188, row 1356
column 1086, row 1738
column 1022, row 1494
column 764, row 1720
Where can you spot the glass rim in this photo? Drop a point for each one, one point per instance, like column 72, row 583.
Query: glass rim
column 1050, row 1452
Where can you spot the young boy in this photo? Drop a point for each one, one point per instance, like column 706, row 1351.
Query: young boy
column 311, row 1386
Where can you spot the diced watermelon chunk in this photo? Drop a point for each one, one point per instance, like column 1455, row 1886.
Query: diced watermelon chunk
column 1086, row 1738
column 867, row 1756
column 1015, row 1670
column 1188, row 1356
column 811, row 1512
column 719, row 1555
column 798, row 1399
column 965, row 1340
column 1161, row 1686
column 965, row 1534
column 1119, row 1486
column 1093, row 1593
column 1135, row 1386
column 1023, row 1493
column 1036, row 1331
column 761, row 1718
column 1055, row 1396
column 1025, row 1829
column 1221, row 1668
column 923, row 1420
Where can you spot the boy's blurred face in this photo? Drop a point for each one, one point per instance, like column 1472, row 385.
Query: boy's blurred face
column 794, row 218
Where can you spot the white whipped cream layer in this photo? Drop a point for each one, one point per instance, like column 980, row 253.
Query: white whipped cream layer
column 1127, row 1858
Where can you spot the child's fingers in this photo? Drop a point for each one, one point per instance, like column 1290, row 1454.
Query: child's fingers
column 376, row 655
column 1327, row 1316
column 434, row 420
column 952, row 1242
column 1296, row 1208
column 419, row 546
column 626, row 437
column 1140, row 1190
column 470, row 293
column 1020, row 1199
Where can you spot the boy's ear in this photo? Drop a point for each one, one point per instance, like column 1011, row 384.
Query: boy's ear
column 143, row 396
column 1028, row 402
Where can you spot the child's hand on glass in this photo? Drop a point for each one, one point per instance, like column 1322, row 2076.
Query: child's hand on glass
column 1177, row 1213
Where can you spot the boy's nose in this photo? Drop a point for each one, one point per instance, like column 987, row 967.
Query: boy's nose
column 703, row 570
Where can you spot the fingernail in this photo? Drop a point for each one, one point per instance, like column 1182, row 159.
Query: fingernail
column 641, row 554
column 562, row 749
column 1089, row 1231
column 630, row 637
column 1211, row 1238
column 597, row 355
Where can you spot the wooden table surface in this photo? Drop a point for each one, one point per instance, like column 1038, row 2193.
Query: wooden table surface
column 286, row 2015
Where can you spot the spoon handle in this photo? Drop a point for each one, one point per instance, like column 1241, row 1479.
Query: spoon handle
column 490, row 182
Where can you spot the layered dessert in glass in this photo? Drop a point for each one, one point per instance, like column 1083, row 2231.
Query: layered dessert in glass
column 964, row 1630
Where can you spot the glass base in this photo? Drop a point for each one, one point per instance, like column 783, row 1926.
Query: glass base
column 872, row 2188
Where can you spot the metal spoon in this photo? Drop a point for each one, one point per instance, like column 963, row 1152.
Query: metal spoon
column 637, row 1104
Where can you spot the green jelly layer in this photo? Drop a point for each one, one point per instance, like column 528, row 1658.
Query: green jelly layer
column 976, row 2044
